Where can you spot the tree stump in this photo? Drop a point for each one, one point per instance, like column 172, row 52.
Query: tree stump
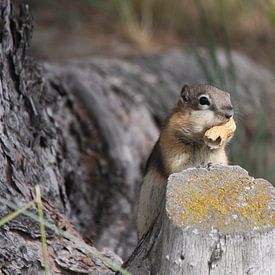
column 215, row 220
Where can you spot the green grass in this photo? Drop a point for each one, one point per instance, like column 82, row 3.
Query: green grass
column 16, row 213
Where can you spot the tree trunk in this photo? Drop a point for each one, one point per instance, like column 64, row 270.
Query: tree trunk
column 215, row 221
column 33, row 151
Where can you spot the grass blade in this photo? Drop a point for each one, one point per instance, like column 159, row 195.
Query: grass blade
column 16, row 213
column 42, row 230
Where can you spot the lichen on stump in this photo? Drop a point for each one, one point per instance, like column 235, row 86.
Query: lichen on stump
column 215, row 220
column 227, row 199
column 218, row 220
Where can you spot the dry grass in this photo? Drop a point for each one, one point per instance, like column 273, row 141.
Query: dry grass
column 150, row 17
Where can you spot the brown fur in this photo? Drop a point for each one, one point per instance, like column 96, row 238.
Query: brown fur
column 181, row 146
column 153, row 188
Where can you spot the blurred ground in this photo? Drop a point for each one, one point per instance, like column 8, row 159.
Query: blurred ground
column 65, row 29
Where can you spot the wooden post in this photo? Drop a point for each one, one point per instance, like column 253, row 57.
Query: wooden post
column 216, row 220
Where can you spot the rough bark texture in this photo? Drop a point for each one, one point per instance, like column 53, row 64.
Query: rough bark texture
column 32, row 151
column 216, row 220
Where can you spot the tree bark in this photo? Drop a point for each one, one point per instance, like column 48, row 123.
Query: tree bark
column 216, row 220
column 32, row 151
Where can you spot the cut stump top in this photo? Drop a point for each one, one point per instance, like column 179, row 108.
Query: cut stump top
column 225, row 198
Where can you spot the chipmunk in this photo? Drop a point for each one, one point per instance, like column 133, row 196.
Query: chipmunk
column 181, row 145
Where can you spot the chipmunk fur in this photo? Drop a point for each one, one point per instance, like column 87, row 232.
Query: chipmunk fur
column 181, row 145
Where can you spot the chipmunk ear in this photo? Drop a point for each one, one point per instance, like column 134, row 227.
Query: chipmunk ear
column 184, row 95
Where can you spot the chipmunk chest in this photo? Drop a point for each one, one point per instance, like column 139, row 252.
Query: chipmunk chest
column 178, row 162
column 200, row 156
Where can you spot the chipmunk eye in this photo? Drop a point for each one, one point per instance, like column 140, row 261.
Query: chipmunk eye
column 203, row 100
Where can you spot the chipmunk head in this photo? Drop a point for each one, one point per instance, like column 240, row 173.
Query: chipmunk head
column 202, row 107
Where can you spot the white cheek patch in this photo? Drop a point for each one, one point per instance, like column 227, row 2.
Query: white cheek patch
column 204, row 107
column 202, row 119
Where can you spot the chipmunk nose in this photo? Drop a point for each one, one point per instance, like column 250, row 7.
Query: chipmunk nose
column 229, row 112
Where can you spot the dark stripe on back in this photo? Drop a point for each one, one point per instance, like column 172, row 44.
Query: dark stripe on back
column 155, row 160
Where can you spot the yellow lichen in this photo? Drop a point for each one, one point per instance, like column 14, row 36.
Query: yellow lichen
column 216, row 201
